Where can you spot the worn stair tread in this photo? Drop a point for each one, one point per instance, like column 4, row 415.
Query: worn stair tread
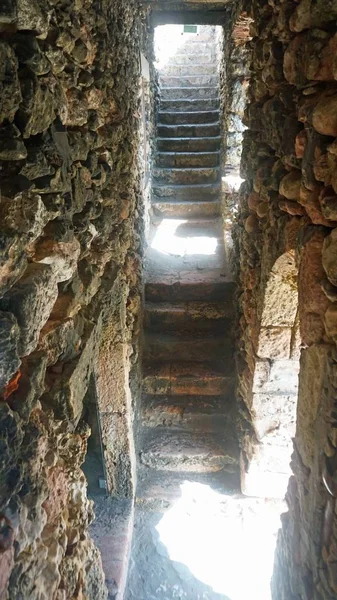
column 195, row 69
column 187, row 451
column 188, row 80
column 187, row 144
column 187, row 346
column 186, row 175
column 190, row 104
column 189, row 128
column 202, row 413
column 221, row 278
column 156, row 291
column 187, row 274
column 188, row 378
column 189, row 191
column 192, row 88
column 189, row 316
column 194, row 139
column 161, row 489
column 174, row 117
column 194, row 93
column 173, row 209
column 188, row 160
column 175, row 320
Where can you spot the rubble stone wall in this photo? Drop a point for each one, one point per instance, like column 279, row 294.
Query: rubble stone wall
column 71, row 225
column 288, row 218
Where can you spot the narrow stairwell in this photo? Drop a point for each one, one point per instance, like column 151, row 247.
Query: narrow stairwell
column 188, row 404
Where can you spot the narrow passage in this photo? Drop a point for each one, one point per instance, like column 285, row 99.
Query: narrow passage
column 190, row 515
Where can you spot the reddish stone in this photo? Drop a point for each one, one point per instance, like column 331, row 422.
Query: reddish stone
column 324, row 118
column 12, row 385
column 251, row 224
column 290, row 185
column 262, row 209
column 300, row 143
column 6, row 567
column 291, row 207
column 253, row 200
column 291, row 233
column 57, row 494
column 312, row 300
column 310, row 200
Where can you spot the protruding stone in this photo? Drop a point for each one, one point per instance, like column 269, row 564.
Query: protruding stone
column 31, row 17
column 187, row 452
column 324, row 117
column 262, row 209
column 329, row 290
column 330, row 322
column 58, row 248
column 329, row 257
column 9, row 338
column 251, row 224
column 290, row 185
column 291, row 207
column 10, row 91
column 329, row 207
column 253, row 200
column 11, row 144
column 31, row 301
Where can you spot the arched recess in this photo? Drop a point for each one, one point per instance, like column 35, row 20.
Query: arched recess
column 265, row 465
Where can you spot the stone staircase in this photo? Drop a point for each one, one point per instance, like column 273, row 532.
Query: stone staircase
column 187, row 412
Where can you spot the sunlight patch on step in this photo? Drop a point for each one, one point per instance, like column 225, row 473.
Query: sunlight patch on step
column 227, row 543
column 168, row 241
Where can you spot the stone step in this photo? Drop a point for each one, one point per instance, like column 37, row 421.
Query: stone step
column 200, row 227
column 205, row 36
column 185, row 118
column 182, row 70
column 189, row 316
column 190, row 105
column 187, row 93
column 202, row 144
column 188, row 81
column 160, row 490
column 187, row 159
column 187, row 379
column 196, row 285
column 201, row 46
column 180, row 265
column 187, row 347
column 189, row 131
column 175, row 209
column 193, row 58
column 186, row 176
column 187, row 452
column 204, row 191
column 189, row 413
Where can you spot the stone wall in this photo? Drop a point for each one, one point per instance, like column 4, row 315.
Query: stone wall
column 287, row 242
column 71, row 229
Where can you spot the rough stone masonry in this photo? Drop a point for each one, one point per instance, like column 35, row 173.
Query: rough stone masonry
column 287, row 244
column 69, row 254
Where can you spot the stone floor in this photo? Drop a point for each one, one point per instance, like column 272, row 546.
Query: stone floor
column 203, row 545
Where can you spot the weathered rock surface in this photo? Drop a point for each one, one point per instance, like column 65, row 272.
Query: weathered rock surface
column 70, row 226
column 289, row 150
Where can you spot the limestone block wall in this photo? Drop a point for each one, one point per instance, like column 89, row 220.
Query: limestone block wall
column 70, row 256
column 286, row 238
